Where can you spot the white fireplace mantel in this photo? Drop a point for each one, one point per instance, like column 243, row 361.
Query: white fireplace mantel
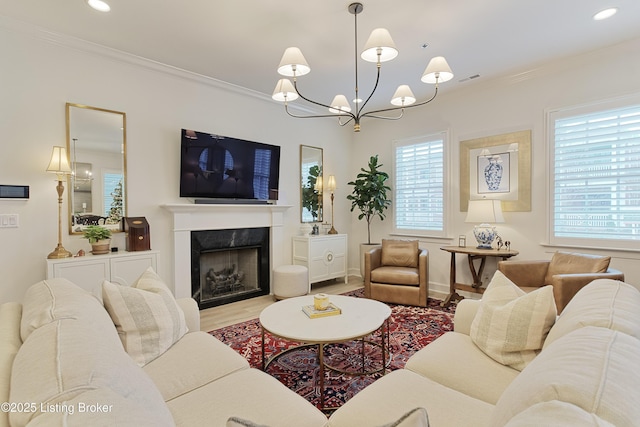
column 188, row 217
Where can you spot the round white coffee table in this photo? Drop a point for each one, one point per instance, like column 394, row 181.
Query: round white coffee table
column 359, row 318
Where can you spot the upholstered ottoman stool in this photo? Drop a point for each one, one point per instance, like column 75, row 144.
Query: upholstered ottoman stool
column 290, row 281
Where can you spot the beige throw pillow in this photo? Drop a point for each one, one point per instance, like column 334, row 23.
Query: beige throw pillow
column 146, row 315
column 511, row 325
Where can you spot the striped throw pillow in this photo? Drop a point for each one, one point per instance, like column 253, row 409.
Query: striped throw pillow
column 146, row 315
column 511, row 325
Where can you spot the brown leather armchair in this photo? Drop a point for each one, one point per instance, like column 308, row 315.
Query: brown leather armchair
column 566, row 272
column 397, row 272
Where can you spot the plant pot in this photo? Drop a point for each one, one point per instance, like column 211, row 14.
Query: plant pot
column 100, row 247
column 365, row 247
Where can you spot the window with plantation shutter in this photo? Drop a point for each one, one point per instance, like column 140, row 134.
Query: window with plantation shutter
column 419, row 182
column 595, row 180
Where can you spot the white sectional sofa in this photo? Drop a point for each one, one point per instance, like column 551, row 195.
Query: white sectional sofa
column 587, row 373
column 62, row 363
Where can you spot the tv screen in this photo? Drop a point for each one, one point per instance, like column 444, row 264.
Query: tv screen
column 221, row 167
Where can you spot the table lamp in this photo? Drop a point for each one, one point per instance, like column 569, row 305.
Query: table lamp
column 485, row 212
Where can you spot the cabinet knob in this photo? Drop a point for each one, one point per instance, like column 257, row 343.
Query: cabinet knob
column 329, row 257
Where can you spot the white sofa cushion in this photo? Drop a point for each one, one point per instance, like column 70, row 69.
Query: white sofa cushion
column 399, row 391
column 197, row 348
column 100, row 407
column 511, row 325
column 66, row 358
column 10, row 343
column 146, row 315
column 589, row 368
column 455, row 361
column 417, row 417
column 609, row 303
column 250, row 394
column 43, row 305
column 555, row 413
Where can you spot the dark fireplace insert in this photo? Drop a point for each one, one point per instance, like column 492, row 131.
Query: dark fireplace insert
column 229, row 265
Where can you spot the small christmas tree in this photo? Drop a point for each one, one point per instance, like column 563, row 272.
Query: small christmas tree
column 115, row 213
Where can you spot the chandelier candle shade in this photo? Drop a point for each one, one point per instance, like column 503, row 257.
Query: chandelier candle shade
column 59, row 165
column 379, row 48
column 485, row 212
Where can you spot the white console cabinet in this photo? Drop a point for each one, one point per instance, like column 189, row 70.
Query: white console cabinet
column 325, row 255
column 90, row 271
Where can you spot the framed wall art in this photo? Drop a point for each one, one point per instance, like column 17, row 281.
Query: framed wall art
column 497, row 167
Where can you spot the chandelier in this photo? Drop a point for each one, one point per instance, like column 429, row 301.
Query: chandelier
column 379, row 48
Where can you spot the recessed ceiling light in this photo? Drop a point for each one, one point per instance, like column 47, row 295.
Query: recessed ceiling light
column 604, row 14
column 99, row 5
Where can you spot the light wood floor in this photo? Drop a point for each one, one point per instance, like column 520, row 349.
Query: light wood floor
column 228, row 314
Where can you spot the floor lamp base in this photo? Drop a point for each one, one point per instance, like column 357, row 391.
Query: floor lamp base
column 59, row 252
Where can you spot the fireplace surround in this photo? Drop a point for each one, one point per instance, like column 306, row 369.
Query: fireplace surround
column 229, row 265
column 189, row 217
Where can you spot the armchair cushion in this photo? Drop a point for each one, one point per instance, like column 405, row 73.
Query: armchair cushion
column 396, row 275
column 400, row 253
column 568, row 263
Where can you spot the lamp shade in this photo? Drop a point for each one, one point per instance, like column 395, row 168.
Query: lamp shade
column 403, row 96
column 59, row 163
column 438, row 71
column 485, row 211
column 340, row 105
column 293, row 63
column 379, row 39
column 284, row 91
column 331, row 183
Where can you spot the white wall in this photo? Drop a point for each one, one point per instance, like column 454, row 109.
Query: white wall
column 41, row 72
column 508, row 104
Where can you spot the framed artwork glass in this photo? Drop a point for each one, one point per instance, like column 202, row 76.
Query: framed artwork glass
column 497, row 167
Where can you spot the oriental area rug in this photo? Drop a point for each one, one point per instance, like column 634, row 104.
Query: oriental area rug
column 410, row 329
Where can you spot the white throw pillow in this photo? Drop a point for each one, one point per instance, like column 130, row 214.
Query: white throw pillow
column 511, row 325
column 146, row 315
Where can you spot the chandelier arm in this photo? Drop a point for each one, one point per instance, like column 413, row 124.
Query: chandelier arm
column 372, row 113
column 347, row 113
column 313, row 116
column 375, row 87
column 347, row 122
column 373, row 116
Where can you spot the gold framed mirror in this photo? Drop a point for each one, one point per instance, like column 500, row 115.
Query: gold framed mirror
column 310, row 184
column 97, row 147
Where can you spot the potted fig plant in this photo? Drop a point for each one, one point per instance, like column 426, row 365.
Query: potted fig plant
column 99, row 237
column 369, row 195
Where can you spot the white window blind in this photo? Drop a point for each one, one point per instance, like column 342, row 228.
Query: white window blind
column 596, row 176
column 419, row 203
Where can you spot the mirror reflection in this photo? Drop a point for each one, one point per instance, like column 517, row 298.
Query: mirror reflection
column 311, row 183
column 96, row 143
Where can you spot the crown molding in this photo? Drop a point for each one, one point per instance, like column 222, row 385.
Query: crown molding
column 48, row 36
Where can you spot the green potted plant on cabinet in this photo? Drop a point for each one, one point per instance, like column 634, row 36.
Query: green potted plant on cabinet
column 369, row 195
column 99, row 238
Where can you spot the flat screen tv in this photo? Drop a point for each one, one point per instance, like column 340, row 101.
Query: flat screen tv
column 220, row 167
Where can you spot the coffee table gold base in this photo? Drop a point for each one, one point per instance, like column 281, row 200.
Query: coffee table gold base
column 322, row 364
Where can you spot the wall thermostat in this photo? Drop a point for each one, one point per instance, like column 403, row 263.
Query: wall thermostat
column 14, row 191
